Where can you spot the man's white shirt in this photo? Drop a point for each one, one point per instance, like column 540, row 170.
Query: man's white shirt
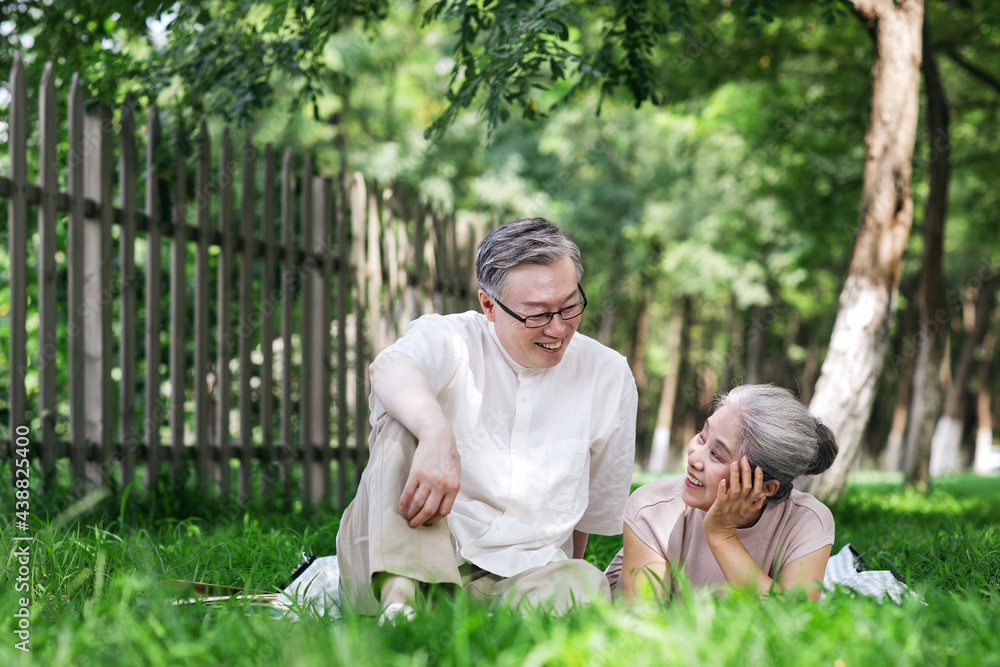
column 543, row 451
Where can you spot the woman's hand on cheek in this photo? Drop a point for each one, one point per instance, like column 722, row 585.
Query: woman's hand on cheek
column 739, row 500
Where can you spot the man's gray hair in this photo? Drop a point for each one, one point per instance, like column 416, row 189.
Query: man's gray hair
column 524, row 241
column 779, row 434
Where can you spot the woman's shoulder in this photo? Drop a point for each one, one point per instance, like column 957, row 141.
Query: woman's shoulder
column 804, row 506
column 660, row 492
column 654, row 510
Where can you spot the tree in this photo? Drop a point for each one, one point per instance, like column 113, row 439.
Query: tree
column 928, row 393
column 845, row 389
column 506, row 55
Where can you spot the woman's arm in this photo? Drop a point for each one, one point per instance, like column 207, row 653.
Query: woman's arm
column 739, row 502
column 645, row 572
column 806, row 572
column 743, row 572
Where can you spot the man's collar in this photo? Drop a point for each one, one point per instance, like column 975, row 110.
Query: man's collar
column 514, row 366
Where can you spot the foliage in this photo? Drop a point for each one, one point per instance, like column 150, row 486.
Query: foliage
column 738, row 189
column 223, row 57
column 96, row 597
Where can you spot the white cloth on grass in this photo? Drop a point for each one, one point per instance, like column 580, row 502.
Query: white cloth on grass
column 316, row 591
column 846, row 570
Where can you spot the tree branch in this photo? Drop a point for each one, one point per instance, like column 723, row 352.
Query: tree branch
column 974, row 70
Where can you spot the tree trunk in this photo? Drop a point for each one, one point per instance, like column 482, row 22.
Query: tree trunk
column 987, row 459
column 735, row 344
column 785, row 372
column 809, row 372
column 685, row 405
column 610, row 306
column 845, row 390
column 902, row 362
column 948, row 433
column 638, row 364
column 928, row 393
column 638, row 359
column 755, row 339
column 659, row 453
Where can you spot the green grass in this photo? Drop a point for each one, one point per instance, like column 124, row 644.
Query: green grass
column 96, row 599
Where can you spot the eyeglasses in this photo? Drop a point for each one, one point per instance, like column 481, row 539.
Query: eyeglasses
column 542, row 319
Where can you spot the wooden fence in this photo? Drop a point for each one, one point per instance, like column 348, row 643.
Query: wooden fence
column 254, row 406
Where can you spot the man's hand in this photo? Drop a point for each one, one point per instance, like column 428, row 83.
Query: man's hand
column 434, row 479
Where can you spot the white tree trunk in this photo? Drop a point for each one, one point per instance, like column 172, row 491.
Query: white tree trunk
column 893, row 460
column 659, row 454
column 945, row 446
column 987, row 456
column 845, row 390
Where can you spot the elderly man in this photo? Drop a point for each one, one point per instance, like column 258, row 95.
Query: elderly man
column 500, row 441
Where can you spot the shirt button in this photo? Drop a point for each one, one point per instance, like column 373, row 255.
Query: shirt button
column 524, row 400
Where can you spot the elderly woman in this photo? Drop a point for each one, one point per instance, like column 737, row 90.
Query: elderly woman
column 734, row 518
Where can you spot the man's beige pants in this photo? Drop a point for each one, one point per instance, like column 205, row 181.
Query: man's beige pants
column 375, row 537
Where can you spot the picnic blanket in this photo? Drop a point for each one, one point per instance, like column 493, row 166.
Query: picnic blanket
column 846, row 570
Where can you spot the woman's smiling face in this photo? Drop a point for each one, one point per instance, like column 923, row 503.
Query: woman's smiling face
column 709, row 455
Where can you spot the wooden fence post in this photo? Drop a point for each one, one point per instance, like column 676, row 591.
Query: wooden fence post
column 245, row 326
column 388, row 317
column 154, row 276
column 343, row 285
column 286, row 444
column 127, row 169
column 318, row 271
column 48, row 173
column 421, row 287
column 98, row 290
column 77, row 409
column 202, row 395
column 17, row 220
column 358, row 199
column 373, row 273
column 224, row 304
column 307, row 370
column 268, row 300
column 404, row 218
column 178, row 312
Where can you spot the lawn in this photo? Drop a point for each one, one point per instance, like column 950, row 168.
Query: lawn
column 96, row 595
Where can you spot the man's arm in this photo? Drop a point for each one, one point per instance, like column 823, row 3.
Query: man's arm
column 404, row 391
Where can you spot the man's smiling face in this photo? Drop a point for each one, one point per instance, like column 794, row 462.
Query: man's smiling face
column 533, row 289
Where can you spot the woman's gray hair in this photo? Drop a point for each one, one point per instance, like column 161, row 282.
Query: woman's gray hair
column 524, row 241
column 779, row 434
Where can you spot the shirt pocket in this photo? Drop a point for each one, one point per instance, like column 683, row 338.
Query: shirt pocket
column 567, row 467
